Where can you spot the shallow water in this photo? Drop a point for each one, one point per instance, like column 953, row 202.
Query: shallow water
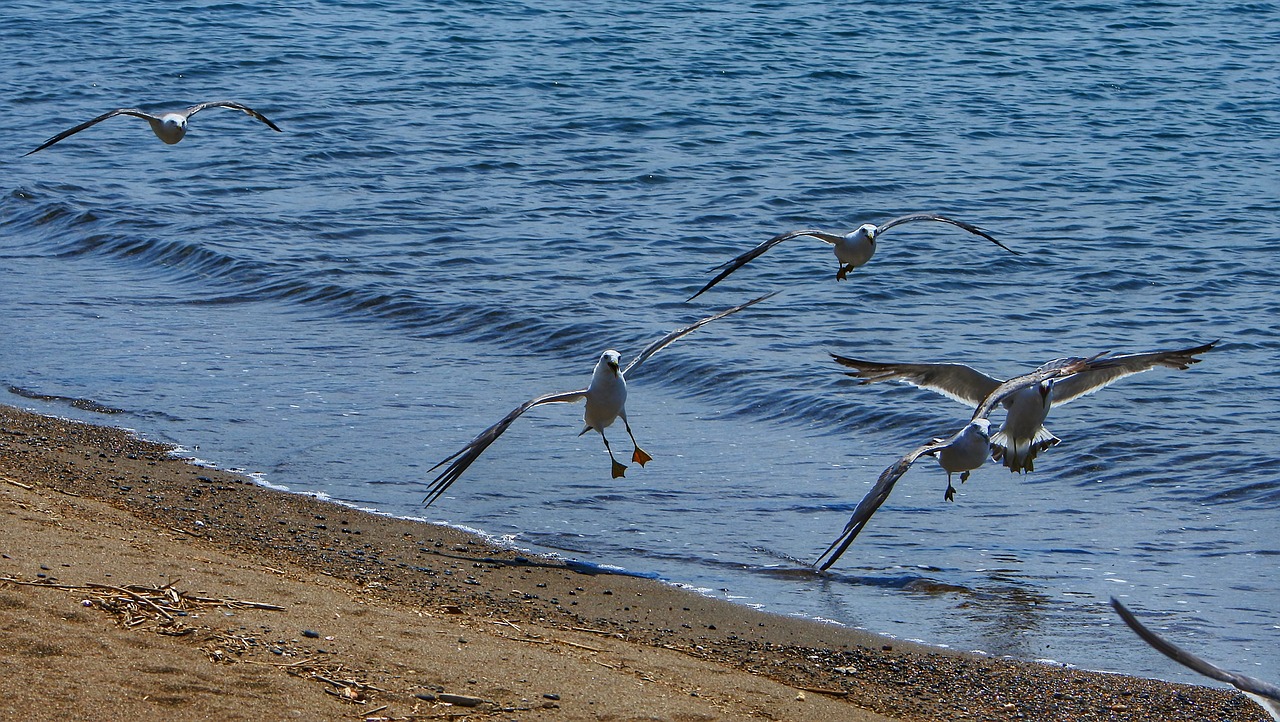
column 468, row 204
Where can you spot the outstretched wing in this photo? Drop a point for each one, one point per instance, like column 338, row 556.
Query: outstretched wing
column 1181, row 656
column 670, row 338
column 463, row 457
column 740, row 261
column 942, row 219
column 1118, row 367
column 872, row 501
column 955, row 381
column 234, row 106
column 72, row 131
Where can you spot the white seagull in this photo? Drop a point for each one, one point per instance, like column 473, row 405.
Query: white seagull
column 962, row 448
column 169, row 127
column 1265, row 694
column 606, row 398
column 852, row 249
column 1022, row 435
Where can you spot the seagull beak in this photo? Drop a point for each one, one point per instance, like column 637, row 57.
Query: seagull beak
column 614, row 365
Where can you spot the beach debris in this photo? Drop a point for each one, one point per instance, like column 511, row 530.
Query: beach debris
column 17, row 483
column 136, row 605
column 460, row 700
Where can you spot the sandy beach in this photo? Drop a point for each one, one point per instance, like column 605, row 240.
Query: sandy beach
column 139, row 586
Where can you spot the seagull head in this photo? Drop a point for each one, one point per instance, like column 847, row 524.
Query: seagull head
column 983, row 426
column 171, row 128
column 612, row 359
column 864, row 232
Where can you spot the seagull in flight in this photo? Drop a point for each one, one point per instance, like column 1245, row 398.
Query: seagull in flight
column 1022, row 435
column 605, row 397
column 852, row 249
column 170, row 127
column 1265, row 694
column 962, row 448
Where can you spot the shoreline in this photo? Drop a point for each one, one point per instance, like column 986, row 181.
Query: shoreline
column 383, row 617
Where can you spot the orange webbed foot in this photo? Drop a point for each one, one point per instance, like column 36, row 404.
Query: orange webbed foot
column 640, row 456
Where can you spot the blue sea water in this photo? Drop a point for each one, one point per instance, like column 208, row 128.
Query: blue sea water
column 471, row 200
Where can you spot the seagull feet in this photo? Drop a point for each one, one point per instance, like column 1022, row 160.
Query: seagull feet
column 619, row 470
column 843, row 273
column 964, row 477
column 640, row 457
column 951, row 492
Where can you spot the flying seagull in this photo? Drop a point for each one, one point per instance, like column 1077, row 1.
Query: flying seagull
column 169, row 127
column 605, row 396
column 962, row 444
column 1266, row 695
column 852, row 249
column 1022, row 435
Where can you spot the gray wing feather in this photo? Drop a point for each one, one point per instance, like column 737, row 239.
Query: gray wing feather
column 234, row 106
column 955, row 381
column 466, row 455
column 1181, row 656
column 872, row 502
column 672, row 337
column 1118, row 367
column 742, row 260
column 942, row 219
column 72, row 131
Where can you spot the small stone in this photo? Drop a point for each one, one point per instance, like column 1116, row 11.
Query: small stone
column 551, row 695
column 310, row 634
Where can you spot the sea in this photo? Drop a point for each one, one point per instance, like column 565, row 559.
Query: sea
column 470, row 200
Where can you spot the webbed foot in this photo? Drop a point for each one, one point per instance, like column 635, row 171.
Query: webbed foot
column 951, row 492
column 619, row 470
column 843, row 273
column 964, row 477
column 640, row 456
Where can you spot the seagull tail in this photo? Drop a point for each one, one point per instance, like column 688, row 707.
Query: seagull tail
column 1019, row 454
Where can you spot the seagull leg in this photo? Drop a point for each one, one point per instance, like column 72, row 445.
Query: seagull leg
column 951, row 490
column 843, row 273
column 639, row 455
column 619, row 470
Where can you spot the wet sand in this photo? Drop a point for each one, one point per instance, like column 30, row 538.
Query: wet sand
column 139, row 586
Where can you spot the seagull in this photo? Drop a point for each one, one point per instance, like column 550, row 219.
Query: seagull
column 1265, row 694
column 169, row 127
column 605, row 396
column 960, row 447
column 1023, row 435
column 852, row 249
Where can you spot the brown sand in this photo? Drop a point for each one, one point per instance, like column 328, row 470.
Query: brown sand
column 389, row 619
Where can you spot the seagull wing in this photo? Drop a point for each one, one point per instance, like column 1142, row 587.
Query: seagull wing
column 872, row 501
column 672, row 337
column 942, row 219
column 955, row 381
column 234, row 106
column 109, row 114
column 463, row 457
column 1117, row 367
column 740, row 261
column 1181, row 656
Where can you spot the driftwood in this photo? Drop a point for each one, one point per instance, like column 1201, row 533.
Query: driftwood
column 134, row 605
